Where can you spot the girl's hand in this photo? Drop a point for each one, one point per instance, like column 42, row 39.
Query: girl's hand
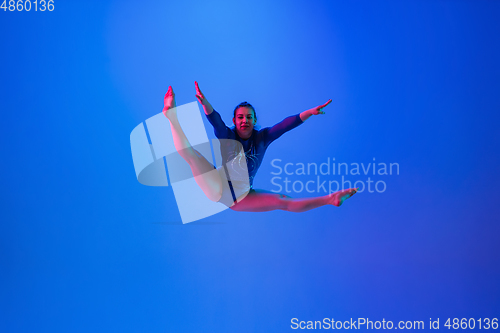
column 199, row 94
column 169, row 100
column 203, row 101
column 314, row 111
column 318, row 110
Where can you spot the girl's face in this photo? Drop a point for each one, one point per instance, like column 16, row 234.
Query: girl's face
column 244, row 120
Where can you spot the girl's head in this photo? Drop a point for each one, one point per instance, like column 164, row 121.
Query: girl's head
column 244, row 119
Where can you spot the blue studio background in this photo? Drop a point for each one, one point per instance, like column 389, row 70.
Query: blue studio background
column 85, row 247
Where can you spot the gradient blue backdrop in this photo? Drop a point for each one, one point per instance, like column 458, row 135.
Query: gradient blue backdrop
column 85, row 247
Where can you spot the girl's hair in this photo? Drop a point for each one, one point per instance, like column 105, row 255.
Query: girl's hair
column 247, row 105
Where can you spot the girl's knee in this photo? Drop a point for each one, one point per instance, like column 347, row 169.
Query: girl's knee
column 211, row 189
column 215, row 194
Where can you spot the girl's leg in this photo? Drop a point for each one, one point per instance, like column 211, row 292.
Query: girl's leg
column 203, row 171
column 264, row 201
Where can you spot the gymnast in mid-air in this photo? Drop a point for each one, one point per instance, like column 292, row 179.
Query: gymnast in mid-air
column 254, row 144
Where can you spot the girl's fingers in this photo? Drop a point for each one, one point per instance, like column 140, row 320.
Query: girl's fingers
column 329, row 101
column 170, row 92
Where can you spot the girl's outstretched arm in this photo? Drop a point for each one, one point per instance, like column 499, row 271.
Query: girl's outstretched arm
column 314, row 111
column 272, row 133
column 221, row 130
column 291, row 122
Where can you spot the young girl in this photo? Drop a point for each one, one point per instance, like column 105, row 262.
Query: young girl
column 255, row 143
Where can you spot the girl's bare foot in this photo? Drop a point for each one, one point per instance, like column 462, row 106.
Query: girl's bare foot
column 339, row 197
column 169, row 103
